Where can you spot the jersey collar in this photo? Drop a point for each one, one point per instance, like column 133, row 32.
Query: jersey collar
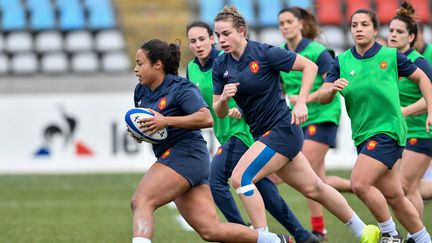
column 408, row 51
column 304, row 42
column 369, row 53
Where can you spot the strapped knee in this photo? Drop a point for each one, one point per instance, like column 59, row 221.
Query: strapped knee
column 246, row 190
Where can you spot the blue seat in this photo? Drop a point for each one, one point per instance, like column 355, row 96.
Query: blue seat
column 42, row 18
column 208, row 9
column 13, row 18
column 72, row 18
column 101, row 18
column 34, row 5
column 5, row 4
column 63, row 4
column 246, row 9
column 90, row 4
column 268, row 10
column 300, row 3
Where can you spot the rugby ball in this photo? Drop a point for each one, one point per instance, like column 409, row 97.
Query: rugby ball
column 132, row 118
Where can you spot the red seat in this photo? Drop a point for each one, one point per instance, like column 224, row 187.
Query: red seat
column 329, row 12
column 353, row 5
column 422, row 10
column 386, row 10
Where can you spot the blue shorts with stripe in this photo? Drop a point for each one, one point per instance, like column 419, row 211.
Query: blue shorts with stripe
column 284, row 138
column 324, row 133
column 382, row 148
column 420, row 145
column 190, row 159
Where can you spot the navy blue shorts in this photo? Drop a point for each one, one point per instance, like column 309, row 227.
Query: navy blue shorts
column 322, row 132
column 382, row 148
column 420, row 145
column 227, row 155
column 284, row 138
column 190, row 159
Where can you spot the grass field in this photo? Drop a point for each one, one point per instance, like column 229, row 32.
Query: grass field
column 95, row 208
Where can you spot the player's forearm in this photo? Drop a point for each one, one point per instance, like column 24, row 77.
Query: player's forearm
column 308, row 78
column 417, row 108
column 326, row 94
column 220, row 107
column 197, row 120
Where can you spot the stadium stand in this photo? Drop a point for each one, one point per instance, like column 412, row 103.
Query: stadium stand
column 59, row 36
column 54, row 36
column 329, row 12
column 386, row 10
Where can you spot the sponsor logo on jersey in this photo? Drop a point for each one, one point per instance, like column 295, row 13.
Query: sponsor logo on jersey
column 412, row 141
column 162, row 103
column 254, row 66
column 383, row 65
column 371, row 145
column 312, row 130
column 166, row 154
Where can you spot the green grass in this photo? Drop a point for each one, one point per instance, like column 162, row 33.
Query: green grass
column 95, row 208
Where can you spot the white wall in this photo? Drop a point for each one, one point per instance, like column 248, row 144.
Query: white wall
column 100, row 128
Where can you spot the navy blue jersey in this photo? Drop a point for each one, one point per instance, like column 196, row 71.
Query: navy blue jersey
column 176, row 96
column 405, row 66
column 422, row 63
column 259, row 94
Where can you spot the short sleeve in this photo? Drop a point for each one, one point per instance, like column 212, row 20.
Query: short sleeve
column 425, row 66
column 217, row 76
column 324, row 62
column 190, row 100
column 333, row 73
column 137, row 94
column 405, row 66
column 281, row 59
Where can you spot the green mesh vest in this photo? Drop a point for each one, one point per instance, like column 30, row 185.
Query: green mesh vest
column 224, row 128
column 427, row 54
column 317, row 113
column 372, row 95
column 409, row 93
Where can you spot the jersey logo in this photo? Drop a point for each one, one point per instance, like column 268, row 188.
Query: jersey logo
column 254, row 67
column 312, row 130
column 219, row 151
column 352, row 73
column 371, row 145
column 412, row 141
column 226, row 74
column 383, row 65
column 266, row 133
column 166, row 154
column 162, row 103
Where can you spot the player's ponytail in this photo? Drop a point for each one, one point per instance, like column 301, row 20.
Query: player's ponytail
column 169, row 55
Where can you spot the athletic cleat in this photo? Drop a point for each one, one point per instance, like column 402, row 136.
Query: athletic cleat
column 387, row 238
column 371, row 234
column 410, row 240
column 322, row 236
column 285, row 238
column 312, row 239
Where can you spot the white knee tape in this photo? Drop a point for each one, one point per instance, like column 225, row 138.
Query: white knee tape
column 244, row 189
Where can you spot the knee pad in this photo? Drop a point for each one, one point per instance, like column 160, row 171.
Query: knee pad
column 247, row 187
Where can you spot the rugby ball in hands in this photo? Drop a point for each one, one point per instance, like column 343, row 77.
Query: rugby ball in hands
column 133, row 117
